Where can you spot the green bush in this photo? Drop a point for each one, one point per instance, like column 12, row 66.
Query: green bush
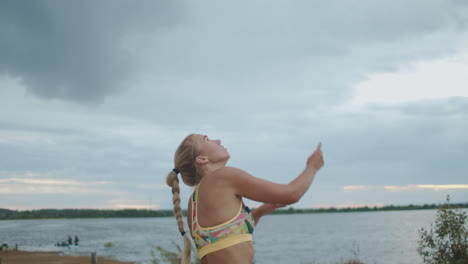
column 447, row 241
column 108, row 245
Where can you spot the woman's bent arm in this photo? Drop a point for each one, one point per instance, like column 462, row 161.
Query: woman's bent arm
column 245, row 185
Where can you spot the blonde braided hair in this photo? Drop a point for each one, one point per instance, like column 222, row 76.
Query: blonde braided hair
column 173, row 182
column 184, row 161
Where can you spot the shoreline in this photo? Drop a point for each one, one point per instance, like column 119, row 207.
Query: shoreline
column 48, row 257
column 291, row 211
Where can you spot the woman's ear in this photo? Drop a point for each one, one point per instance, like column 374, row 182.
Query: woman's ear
column 200, row 160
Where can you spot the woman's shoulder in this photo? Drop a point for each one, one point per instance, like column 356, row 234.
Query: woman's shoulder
column 220, row 179
column 220, row 175
column 229, row 176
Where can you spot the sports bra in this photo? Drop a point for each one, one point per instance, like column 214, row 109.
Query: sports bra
column 234, row 231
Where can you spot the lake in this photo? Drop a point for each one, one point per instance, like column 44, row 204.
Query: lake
column 377, row 237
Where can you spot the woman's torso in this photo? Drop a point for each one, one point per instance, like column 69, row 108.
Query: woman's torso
column 215, row 205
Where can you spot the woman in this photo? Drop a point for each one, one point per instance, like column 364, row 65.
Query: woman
column 220, row 225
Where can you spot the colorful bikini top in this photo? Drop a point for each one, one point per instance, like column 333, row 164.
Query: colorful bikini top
column 234, row 231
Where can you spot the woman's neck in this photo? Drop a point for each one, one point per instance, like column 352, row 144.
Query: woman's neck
column 209, row 168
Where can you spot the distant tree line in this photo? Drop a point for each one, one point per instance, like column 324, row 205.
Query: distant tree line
column 81, row 213
column 292, row 210
column 6, row 214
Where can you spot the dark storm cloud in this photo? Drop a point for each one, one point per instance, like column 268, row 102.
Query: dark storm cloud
column 86, row 50
column 73, row 50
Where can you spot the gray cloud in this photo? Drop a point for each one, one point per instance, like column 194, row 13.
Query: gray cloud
column 361, row 148
column 74, row 50
column 405, row 143
column 268, row 78
column 275, row 58
column 86, row 51
column 452, row 106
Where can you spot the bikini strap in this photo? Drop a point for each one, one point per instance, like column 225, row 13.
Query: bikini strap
column 194, row 209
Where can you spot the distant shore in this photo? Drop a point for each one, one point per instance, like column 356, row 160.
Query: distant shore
column 37, row 257
column 7, row 214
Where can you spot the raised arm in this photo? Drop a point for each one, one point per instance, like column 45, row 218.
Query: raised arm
column 245, row 185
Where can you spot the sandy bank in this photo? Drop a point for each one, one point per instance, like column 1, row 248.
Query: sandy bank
column 26, row 257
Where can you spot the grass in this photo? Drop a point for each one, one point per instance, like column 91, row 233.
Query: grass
column 108, row 245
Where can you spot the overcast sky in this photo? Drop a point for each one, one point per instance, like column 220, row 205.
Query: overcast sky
column 96, row 96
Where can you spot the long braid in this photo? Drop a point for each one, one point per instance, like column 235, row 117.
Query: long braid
column 173, row 181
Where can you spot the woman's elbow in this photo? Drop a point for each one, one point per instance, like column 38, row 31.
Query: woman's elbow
column 293, row 196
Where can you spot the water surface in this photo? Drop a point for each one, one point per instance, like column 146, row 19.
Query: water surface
column 377, row 237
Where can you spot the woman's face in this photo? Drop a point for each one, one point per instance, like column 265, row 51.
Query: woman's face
column 212, row 149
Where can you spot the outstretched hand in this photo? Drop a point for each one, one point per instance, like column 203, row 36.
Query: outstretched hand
column 316, row 159
column 265, row 209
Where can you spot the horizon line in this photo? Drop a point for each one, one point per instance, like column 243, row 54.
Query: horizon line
column 350, row 206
